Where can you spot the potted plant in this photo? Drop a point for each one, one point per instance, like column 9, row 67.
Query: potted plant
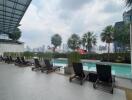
column 72, row 57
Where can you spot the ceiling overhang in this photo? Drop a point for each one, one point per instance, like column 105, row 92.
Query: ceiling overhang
column 11, row 13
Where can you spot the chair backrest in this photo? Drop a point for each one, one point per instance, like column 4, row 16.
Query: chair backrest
column 11, row 58
column 22, row 58
column 18, row 60
column 1, row 58
column 7, row 58
column 104, row 72
column 78, row 68
column 47, row 63
column 36, row 61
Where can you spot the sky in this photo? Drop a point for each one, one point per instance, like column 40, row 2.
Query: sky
column 44, row 18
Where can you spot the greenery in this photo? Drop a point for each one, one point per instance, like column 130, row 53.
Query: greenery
column 74, row 42
column 16, row 35
column 28, row 55
column 13, row 54
column 73, row 57
column 107, row 36
column 46, row 55
column 88, row 40
column 121, row 36
column 56, row 40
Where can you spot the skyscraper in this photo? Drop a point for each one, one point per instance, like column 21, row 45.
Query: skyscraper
column 127, row 16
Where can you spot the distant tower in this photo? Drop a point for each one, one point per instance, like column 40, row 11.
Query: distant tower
column 65, row 47
column 127, row 16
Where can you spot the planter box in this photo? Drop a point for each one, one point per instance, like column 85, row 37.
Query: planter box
column 68, row 70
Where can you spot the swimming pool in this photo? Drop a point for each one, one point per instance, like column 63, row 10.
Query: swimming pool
column 120, row 70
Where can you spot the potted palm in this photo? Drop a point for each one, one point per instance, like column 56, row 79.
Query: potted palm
column 72, row 57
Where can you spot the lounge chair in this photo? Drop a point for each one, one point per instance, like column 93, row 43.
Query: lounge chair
column 24, row 62
column 37, row 65
column 78, row 73
column 49, row 67
column 11, row 60
column 7, row 59
column 104, row 77
column 2, row 58
column 18, row 61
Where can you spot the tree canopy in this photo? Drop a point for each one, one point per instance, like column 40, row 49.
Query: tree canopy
column 74, row 42
column 88, row 40
column 56, row 40
column 122, row 35
column 107, row 35
column 16, row 35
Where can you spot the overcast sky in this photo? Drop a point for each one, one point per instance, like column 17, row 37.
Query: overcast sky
column 47, row 17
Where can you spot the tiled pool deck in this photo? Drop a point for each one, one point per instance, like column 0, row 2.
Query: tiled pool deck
column 23, row 84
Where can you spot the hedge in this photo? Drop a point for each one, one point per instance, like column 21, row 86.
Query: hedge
column 113, row 57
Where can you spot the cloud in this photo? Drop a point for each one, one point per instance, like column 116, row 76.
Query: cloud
column 47, row 17
column 112, row 7
column 73, row 4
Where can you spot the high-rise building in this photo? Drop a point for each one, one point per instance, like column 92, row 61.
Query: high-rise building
column 65, row 48
column 127, row 18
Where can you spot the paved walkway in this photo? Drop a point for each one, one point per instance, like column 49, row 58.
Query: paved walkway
column 23, row 84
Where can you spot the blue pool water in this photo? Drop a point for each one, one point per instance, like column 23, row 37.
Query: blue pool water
column 121, row 70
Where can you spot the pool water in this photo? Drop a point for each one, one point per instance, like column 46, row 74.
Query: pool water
column 121, row 70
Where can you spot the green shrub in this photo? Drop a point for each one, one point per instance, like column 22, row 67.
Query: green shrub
column 47, row 55
column 28, row 55
column 13, row 54
column 91, row 56
column 73, row 57
column 60, row 55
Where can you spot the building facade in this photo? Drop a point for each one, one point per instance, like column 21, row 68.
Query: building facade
column 127, row 18
column 10, row 46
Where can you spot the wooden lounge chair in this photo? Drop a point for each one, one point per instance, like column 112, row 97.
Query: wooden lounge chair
column 78, row 73
column 49, row 67
column 104, row 77
column 11, row 60
column 7, row 59
column 37, row 65
column 18, row 61
column 24, row 62
column 2, row 58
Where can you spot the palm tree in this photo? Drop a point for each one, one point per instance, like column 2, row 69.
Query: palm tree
column 74, row 42
column 107, row 36
column 88, row 40
column 129, row 3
